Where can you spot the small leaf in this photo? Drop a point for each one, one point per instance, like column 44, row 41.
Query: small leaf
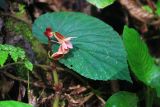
column 122, row 99
column 101, row 3
column 28, row 65
column 147, row 8
column 21, row 53
column 3, row 57
column 13, row 104
column 14, row 54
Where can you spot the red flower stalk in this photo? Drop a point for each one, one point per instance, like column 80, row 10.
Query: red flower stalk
column 48, row 32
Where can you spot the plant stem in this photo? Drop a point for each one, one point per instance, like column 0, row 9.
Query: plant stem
column 56, row 101
column 56, row 84
column 149, row 97
column 55, row 77
column 28, row 87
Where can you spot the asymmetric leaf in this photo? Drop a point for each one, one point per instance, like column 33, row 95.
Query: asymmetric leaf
column 98, row 51
column 140, row 61
column 137, row 49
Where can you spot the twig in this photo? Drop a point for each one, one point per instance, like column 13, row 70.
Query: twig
column 11, row 64
column 85, row 99
column 24, row 81
column 101, row 99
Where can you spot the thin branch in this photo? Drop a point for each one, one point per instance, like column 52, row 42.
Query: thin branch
column 24, row 81
column 101, row 99
column 85, row 99
column 11, row 64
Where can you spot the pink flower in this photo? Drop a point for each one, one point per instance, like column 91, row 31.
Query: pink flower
column 60, row 53
column 65, row 42
column 65, row 45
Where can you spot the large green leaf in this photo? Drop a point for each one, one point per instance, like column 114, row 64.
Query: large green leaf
column 101, row 3
column 138, row 56
column 13, row 104
column 122, row 99
column 140, row 61
column 98, row 51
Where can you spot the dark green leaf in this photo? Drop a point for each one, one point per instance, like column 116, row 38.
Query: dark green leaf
column 98, row 51
column 122, row 99
column 13, row 104
column 101, row 3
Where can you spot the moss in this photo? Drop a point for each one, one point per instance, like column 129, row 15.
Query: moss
column 21, row 10
column 20, row 28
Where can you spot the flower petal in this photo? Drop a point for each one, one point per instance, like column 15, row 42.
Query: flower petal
column 59, row 37
column 64, row 45
column 63, row 50
column 57, row 55
column 69, row 44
